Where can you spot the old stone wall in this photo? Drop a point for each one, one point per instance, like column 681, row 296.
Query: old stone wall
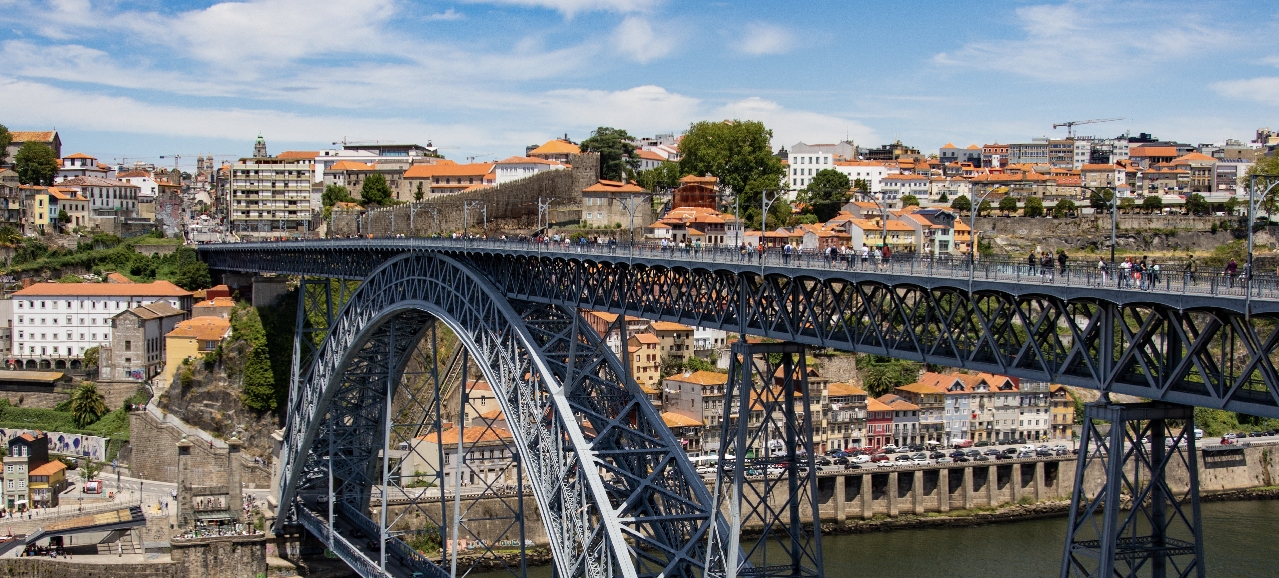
column 47, row 568
column 511, row 206
column 154, row 454
column 225, row 556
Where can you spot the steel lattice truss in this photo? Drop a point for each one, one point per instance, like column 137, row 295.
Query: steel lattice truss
column 1160, row 534
column 616, row 492
column 1194, row 350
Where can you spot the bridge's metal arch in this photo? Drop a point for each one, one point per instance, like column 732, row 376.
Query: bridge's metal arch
column 617, row 494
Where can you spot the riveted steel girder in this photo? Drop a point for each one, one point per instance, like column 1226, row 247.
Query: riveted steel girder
column 616, row 492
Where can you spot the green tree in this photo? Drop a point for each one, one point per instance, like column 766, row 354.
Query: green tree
column 1196, row 204
column 943, row 198
column 334, row 194
column 1100, row 200
column 1232, row 205
column 193, row 276
column 1154, row 204
column 63, row 217
column 910, row 201
column 1268, row 165
column 740, row 154
column 1127, row 204
column 10, row 236
column 961, row 203
column 6, row 139
column 375, row 191
column 984, row 208
column 91, row 357
column 862, row 186
column 1008, row 204
column 662, row 176
column 87, row 404
column 1064, row 207
column 1034, row 207
column 617, row 154
column 419, row 193
column 36, row 164
column 90, row 469
column 880, row 375
column 826, row 194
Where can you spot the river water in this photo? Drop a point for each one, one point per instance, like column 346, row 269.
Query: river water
column 1241, row 539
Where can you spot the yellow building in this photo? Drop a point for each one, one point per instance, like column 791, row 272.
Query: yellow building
column 47, row 481
column 192, row 338
column 646, row 363
column 1063, row 412
column 676, row 339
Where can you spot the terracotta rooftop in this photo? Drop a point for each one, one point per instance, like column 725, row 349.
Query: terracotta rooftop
column 670, row 326
column 673, row 419
column 202, row 328
column 700, row 378
column 152, row 289
column 556, row 147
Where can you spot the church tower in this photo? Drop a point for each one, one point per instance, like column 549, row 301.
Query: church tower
column 259, row 148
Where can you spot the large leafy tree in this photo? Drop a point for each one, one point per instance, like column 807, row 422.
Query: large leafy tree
column 334, row 194
column 1100, row 200
column 1034, row 207
column 617, row 154
column 1153, row 204
column 663, row 176
column 739, row 153
column 1008, row 204
column 6, row 139
column 87, row 404
column 1196, row 204
column 375, row 191
column 1064, row 207
column 827, row 192
column 1268, row 165
column 961, row 203
column 910, row 201
column 36, row 164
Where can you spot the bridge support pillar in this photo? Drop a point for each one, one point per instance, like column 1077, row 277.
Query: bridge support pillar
column 1040, row 492
column 992, row 486
column 1014, row 483
column 943, row 489
column 771, row 379
column 841, row 513
column 892, row 494
column 968, row 489
column 1161, row 529
column 868, row 497
column 917, row 491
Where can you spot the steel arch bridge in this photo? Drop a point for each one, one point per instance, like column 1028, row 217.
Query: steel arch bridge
column 615, row 495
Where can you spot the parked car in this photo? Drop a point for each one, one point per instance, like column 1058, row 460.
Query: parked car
column 880, row 458
column 944, row 460
column 1229, row 436
column 981, row 444
column 1060, row 447
column 1043, row 452
column 1063, row 453
column 982, row 458
column 853, row 467
column 961, row 459
column 1028, row 448
column 957, row 454
column 964, row 444
column 1004, row 457
column 1010, row 451
column 822, row 461
column 889, row 448
column 916, row 448
column 991, row 452
column 841, row 461
column 1024, row 455
column 860, row 459
column 935, row 455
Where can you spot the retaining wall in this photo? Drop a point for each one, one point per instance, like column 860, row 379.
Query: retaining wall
column 154, row 452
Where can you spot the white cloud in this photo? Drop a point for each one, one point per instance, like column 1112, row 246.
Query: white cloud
column 1087, row 42
column 642, row 109
column 790, row 126
column 449, row 14
column 570, row 8
column 1264, row 89
column 760, row 38
column 635, row 38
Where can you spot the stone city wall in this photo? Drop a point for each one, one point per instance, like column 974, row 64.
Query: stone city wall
column 511, row 206
column 154, row 454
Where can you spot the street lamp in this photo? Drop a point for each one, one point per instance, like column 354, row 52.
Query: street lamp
column 630, row 205
column 466, row 207
column 1254, row 203
column 972, row 236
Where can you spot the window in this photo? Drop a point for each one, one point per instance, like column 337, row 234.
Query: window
column 128, row 346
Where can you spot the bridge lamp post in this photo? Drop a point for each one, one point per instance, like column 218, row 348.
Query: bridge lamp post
column 466, row 207
column 630, row 205
column 1266, row 184
column 765, row 204
column 972, row 232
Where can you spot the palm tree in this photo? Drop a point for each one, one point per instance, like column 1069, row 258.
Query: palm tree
column 87, row 404
column 9, row 236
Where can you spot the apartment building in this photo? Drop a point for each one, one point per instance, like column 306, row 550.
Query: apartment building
column 699, row 396
column 646, row 363
column 271, row 197
column 53, row 323
column 675, row 339
column 846, row 420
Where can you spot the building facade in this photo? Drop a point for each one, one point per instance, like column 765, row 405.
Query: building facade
column 271, row 197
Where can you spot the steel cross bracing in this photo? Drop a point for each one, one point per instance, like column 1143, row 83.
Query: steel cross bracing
column 616, row 492
column 1189, row 349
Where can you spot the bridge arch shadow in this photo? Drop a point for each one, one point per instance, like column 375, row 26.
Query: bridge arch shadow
column 616, row 493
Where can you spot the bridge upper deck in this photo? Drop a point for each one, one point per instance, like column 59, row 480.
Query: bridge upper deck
column 356, row 258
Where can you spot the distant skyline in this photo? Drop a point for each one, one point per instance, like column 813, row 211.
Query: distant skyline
column 135, row 80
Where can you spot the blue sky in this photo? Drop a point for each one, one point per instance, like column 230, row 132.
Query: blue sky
column 486, row 77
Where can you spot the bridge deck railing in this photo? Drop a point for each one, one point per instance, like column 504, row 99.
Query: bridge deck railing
column 1098, row 274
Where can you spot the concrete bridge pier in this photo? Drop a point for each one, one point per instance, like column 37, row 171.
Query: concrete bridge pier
column 968, row 489
column 943, row 489
column 1014, row 483
column 841, row 514
column 992, row 486
column 917, row 491
column 868, row 503
column 1041, row 491
column 893, row 488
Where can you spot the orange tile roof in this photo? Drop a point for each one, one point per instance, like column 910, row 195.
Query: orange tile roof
column 650, row 155
column 556, row 147
column 604, row 186
column 217, row 302
column 701, row 378
column 492, row 415
column 32, row 135
column 873, row 404
column 841, row 389
column 1192, row 157
column 670, row 326
column 132, row 174
column 152, row 289
column 49, row 468
column 949, row 146
column 204, row 328
column 1099, row 167
column 79, row 156
column 350, row 166
column 1153, row 152
column 471, row 435
column 519, row 160
column 696, row 180
column 921, row 388
column 646, row 338
column 673, row 419
column 298, row 155
column 114, row 277
column 467, row 170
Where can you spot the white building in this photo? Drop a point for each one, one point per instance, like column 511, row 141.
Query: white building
column 803, row 167
column 53, row 323
column 81, row 165
column 516, row 168
column 147, row 187
column 649, row 160
column 870, row 171
column 105, row 195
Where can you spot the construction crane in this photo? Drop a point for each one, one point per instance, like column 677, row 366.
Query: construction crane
column 472, row 158
column 1070, row 124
